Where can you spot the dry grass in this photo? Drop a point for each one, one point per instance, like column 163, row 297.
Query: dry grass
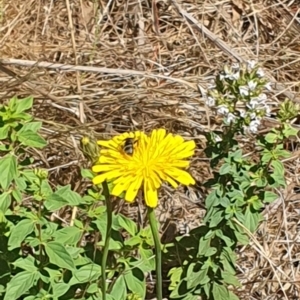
column 105, row 67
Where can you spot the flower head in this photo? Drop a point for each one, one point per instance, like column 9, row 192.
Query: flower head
column 156, row 158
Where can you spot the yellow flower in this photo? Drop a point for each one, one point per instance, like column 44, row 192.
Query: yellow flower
column 155, row 158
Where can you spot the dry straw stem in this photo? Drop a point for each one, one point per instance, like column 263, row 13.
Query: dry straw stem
column 104, row 67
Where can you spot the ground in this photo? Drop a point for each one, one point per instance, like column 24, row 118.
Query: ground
column 105, row 67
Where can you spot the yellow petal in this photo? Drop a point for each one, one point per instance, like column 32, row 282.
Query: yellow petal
column 150, row 193
column 133, row 189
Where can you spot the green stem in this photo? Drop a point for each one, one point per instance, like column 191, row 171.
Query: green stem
column 107, row 238
column 157, row 245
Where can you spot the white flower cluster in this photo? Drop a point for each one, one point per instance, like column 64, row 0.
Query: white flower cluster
column 238, row 84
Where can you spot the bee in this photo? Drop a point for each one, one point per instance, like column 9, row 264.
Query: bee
column 128, row 146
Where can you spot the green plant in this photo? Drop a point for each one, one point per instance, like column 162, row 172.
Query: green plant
column 44, row 258
column 241, row 185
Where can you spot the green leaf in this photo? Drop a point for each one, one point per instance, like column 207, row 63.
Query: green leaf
column 27, row 263
column 119, row 290
column 271, row 138
column 31, row 139
column 19, row 233
column 269, row 197
column 216, row 218
column 5, row 200
column 33, row 126
column 20, row 284
column 23, row 104
column 4, row 132
column 8, row 167
column 196, row 278
column 62, row 197
column 251, row 219
column 59, row 289
column 68, row 235
column 220, row 292
column 127, row 224
column 135, row 281
column 85, row 274
column 58, row 255
column 225, row 169
column 230, row 279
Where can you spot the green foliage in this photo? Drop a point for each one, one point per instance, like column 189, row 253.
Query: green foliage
column 240, row 188
column 43, row 258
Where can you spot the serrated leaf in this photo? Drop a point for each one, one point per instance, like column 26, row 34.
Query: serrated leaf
column 20, row 284
column 19, row 233
column 5, row 201
column 86, row 273
column 8, row 167
column 31, row 139
column 59, row 256
column 119, row 290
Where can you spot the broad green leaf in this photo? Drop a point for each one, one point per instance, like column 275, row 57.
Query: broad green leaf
column 119, row 290
column 19, row 233
column 127, row 224
column 23, row 104
column 20, row 284
column 4, row 132
column 33, row 126
column 68, row 235
column 216, row 218
column 8, row 167
column 232, row 296
column 5, row 200
column 147, row 262
column 31, row 139
column 59, row 289
column 135, row 281
column 27, row 263
column 210, row 251
column 220, row 292
column 269, row 197
column 196, row 278
column 58, row 255
column 62, row 197
column 251, row 219
column 271, row 138
column 230, row 278
column 86, row 273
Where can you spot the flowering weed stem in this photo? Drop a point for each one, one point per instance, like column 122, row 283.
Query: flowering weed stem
column 157, row 245
column 107, row 237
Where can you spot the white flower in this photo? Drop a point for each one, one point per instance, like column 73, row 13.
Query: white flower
column 260, row 73
column 251, row 64
column 252, row 85
column 253, row 126
column 235, row 66
column 222, row 110
column 230, row 118
column 268, row 86
column 244, row 90
column 267, row 110
column 262, row 97
column 254, row 102
column 235, row 76
column 210, row 101
column 243, row 113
